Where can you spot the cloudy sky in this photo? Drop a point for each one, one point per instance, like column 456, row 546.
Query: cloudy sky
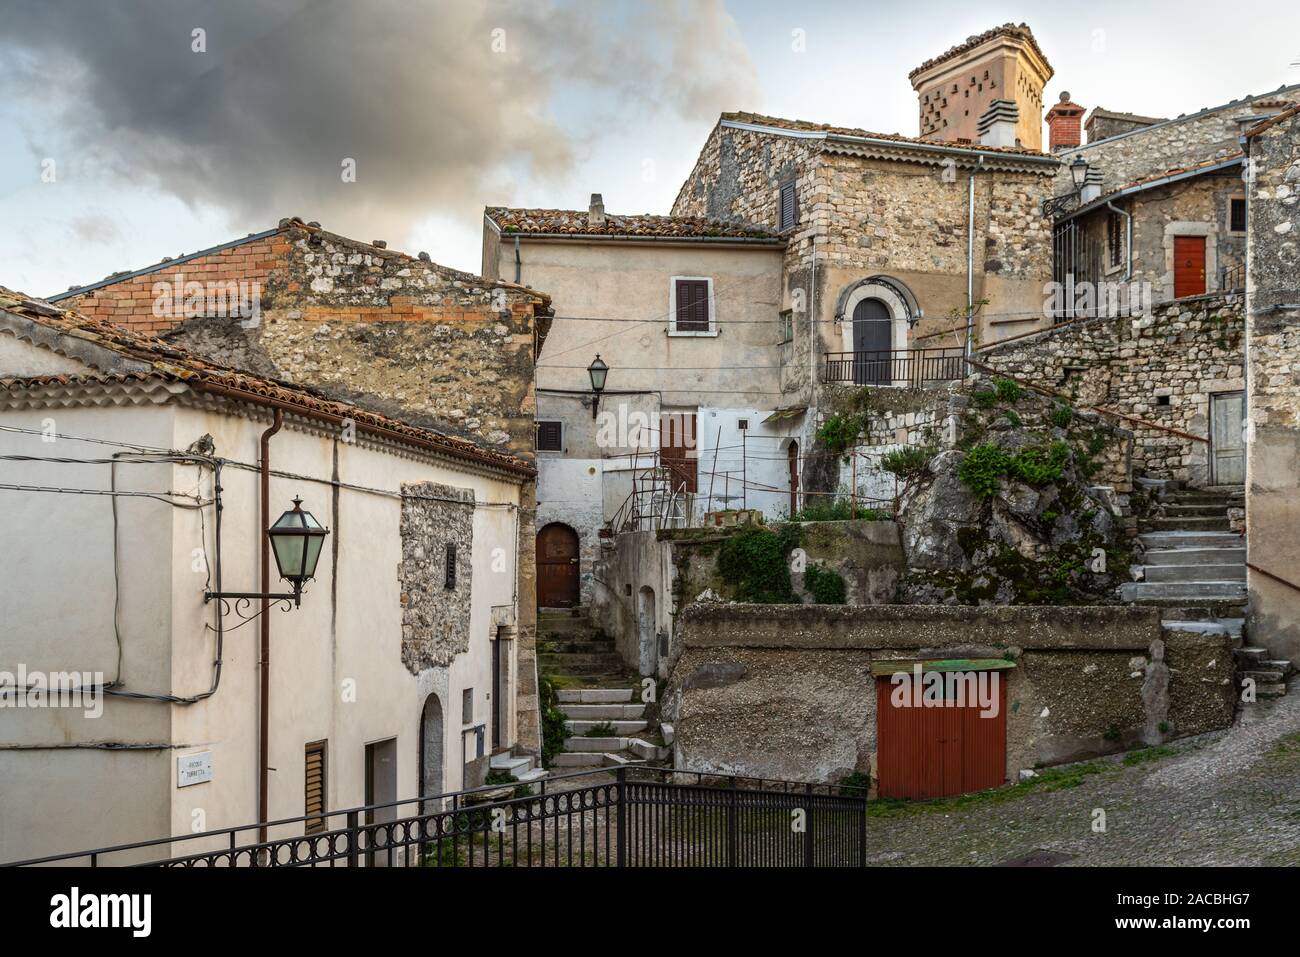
column 125, row 136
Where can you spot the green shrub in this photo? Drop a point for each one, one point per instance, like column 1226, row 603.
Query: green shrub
column 1007, row 390
column 839, row 432
column 1037, row 466
column 755, row 562
column 982, row 469
column 985, row 400
column 912, row 461
column 554, row 729
column 1062, row 416
column 1012, row 416
column 602, row 730
column 826, row 584
column 839, row 509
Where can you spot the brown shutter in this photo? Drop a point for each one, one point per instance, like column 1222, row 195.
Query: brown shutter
column 549, row 437
column 789, row 212
column 314, row 787
column 692, row 305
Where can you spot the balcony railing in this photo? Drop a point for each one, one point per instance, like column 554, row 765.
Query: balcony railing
column 897, row 367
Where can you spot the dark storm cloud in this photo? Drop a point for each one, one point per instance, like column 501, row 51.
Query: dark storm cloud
column 415, row 93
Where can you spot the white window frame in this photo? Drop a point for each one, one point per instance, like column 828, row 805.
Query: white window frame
column 563, row 430
column 672, row 309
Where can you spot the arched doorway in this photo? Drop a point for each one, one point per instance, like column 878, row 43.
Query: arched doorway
column 873, row 336
column 792, row 458
column 431, row 746
column 649, row 657
column 557, row 566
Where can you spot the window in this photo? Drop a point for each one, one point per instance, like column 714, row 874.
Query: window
column 467, row 706
column 550, row 437
column 450, row 567
column 788, row 213
column 1237, row 215
column 787, row 326
column 1115, row 238
column 314, row 787
column 692, row 306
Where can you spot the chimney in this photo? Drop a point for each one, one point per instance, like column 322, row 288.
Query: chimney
column 997, row 126
column 1064, row 124
column 1091, row 186
column 596, row 211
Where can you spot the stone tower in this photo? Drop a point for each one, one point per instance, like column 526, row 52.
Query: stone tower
column 956, row 88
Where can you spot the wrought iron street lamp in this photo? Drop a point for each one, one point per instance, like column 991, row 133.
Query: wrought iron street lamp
column 598, row 370
column 1079, row 172
column 296, row 539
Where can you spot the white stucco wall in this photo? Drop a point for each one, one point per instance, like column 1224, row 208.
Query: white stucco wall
column 345, row 638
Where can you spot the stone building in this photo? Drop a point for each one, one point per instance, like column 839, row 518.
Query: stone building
column 359, row 322
column 1273, row 383
column 146, row 694
column 955, row 89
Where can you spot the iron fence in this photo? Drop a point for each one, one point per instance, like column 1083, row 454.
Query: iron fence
column 896, row 367
column 632, row 816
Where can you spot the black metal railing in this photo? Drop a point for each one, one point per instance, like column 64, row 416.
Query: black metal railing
column 897, row 367
column 632, row 816
column 1232, row 278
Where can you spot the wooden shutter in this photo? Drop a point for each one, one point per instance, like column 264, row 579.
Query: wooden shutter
column 314, row 787
column 549, row 437
column 692, row 305
column 789, row 212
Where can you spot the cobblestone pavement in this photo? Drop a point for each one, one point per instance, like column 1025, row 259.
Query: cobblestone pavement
column 1227, row 798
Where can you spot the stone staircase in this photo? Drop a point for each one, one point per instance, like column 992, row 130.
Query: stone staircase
column 597, row 693
column 1195, row 572
column 524, row 768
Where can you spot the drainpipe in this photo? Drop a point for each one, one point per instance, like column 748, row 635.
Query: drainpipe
column 970, row 258
column 264, row 729
column 1128, row 242
column 518, row 262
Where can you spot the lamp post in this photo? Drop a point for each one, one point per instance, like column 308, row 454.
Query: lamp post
column 598, row 370
column 1079, row 172
column 296, row 539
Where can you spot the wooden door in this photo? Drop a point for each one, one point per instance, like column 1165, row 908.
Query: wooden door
column 929, row 752
column 1227, row 447
column 872, row 342
column 792, row 459
column 677, row 449
column 557, row 567
column 1189, row 266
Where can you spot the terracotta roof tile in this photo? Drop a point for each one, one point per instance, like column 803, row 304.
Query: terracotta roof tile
column 804, row 126
column 1018, row 30
column 173, row 362
column 642, row 225
column 1273, row 121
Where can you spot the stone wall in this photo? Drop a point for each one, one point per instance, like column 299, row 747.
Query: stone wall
column 1172, row 145
column 1273, row 399
column 1160, row 368
column 435, row 617
column 787, row 691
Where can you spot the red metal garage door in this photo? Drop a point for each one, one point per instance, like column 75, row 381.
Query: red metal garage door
column 930, row 752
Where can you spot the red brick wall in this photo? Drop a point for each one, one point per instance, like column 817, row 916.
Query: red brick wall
column 1064, row 125
column 132, row 302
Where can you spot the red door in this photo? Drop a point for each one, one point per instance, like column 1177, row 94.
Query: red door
column 1189, row 266
column 792, row 459
column 928, row 752
column 677, row 449
column 557, row 567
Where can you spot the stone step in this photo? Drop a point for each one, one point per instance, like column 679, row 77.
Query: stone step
column 1194, row 573
column 592, row 647
column 1193, row 509
column 1213, row 626
column 1195, row 556
column 1177, row 609
column 1250, row 656
column 1191, row 539
column 1273, row 690
column 561, row 662
column 574, row 629
column 578, row 759
column 1286, row 667
column 621, row 726
column 603, row 712
column 1262, row 676
column 1186, row 524
column 604, row 669
column 577, row 611
column 595, row 695
column 579, row 743
column 647, row 750
column 1204, row 590
column 536, row 774
column 510, row 763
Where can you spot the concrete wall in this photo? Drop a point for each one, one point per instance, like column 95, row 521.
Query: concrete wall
column 1273, row 397
column 787, row 692
column 337, row 670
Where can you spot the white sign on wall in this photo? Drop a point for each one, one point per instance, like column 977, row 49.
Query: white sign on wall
column 193, row 769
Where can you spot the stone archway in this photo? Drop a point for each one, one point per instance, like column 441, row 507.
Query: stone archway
column 895, row 298
column 431, row 747
column 645, row 628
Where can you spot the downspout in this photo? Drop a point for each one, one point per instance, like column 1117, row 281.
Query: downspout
column 264, row 729
column 519, row 266
column 970, row 258
column 1128, row 241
